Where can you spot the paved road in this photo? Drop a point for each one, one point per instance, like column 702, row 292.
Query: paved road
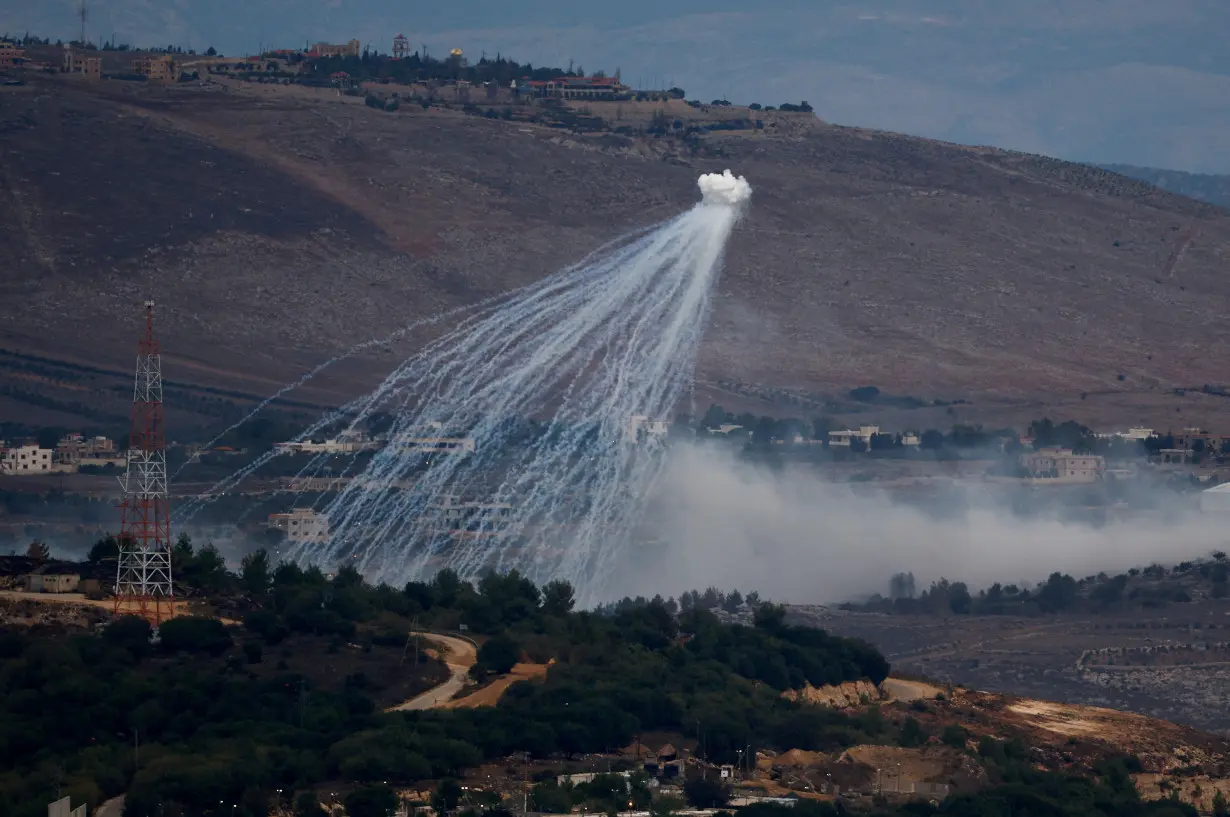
column 460, row 656
column 112, row 808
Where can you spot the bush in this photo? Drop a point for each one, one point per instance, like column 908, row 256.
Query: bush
column 954, row 736
column 706, row 793
column 373, row 801
column 499, row 654
column 193, row 634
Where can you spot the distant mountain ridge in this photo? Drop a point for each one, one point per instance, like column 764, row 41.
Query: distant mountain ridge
column 1201, row 186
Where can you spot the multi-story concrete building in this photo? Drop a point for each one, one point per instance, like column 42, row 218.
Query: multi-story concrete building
column 1063, row 463
column 85, row 66
column 350, row 49
column 25, row 459
column 301, row 525
column 11, row 55
column 161, row 68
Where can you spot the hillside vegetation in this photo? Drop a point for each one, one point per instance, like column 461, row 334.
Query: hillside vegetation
column 1202, row 186
column 277, row 226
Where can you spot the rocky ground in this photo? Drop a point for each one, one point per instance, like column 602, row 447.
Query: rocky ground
column 1049, row 657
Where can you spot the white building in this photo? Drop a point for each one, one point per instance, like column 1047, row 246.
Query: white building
column 1130, row 434
column 471, row 520
column 347, row 442
column 843, row 438
column 25, row 459
column 435, row 441
column 909, row 438
column 640, row 427
column 1216, row 500
column 301, row 525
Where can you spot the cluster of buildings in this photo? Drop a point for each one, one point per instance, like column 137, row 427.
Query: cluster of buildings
column 71, row 453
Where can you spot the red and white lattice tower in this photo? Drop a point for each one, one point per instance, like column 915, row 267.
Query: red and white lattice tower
column 401, row 47
column 143, row 576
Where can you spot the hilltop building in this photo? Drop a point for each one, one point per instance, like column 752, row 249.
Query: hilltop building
column 74, row 63
column 592, row 88
column 349, row 49
column 401, row 47
column 301, row 525
column 11, row 55
column 156, row 68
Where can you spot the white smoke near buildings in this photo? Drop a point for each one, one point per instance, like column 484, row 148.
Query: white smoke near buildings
column 794, row 537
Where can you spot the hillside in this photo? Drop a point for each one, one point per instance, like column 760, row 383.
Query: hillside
column 287, row 708
column 277, row 226
column 1203, row 186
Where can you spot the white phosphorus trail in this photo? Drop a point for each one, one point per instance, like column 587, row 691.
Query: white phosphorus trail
column 512, row 441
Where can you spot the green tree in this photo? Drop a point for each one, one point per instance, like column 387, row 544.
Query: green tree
column 1220, row 808
column 558, row 598
column 954, row 736
column 912, row 734
column 106, row 549
column 702, row 792
column 38, row 551
column 255, row 573
column 371, row 801
column 499, row 654
column 446, row 796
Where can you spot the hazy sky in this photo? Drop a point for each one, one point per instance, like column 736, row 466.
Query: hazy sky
column 1135, row 81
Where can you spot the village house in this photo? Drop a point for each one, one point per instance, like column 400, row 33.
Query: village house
column 1062, row 463
column 842, row 439
column 74, row 63
column 161, row 68
column 348, row 49
column 25, row 459
column 346, row 442
column 11, row 55
column 585, row 88
column 302, row 525
column 52, row 582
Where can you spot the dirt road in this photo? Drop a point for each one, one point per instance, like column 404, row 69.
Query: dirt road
column 490, row 695
column 899, row 689
column 459, row 656
column 182, row 608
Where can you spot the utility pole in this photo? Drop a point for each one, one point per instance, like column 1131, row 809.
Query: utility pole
column 525, row 791
column 82, row 14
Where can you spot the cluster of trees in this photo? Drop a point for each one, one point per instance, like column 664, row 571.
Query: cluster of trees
column 801, row 107
column 371, row 66
column 1157, row 587
column 210, row 729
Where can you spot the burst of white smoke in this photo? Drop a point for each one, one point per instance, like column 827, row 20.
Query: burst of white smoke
column 724, row 188
column 587, row 350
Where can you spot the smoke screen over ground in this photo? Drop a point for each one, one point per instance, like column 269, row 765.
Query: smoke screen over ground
column 793, row 537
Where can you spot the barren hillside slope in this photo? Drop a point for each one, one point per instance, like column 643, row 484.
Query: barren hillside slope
column 277, row 227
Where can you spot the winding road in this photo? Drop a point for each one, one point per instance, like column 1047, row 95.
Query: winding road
column 459, row 655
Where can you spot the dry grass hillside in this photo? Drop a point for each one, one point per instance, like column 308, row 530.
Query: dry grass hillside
column 278, row 226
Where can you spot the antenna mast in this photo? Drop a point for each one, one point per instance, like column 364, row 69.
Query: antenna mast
column 143, row 573
column 82, row 13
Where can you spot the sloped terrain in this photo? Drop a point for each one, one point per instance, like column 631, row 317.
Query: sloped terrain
column 277, row 227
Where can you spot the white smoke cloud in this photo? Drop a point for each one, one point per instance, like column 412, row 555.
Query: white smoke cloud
column 793, row 537
column 724, row 188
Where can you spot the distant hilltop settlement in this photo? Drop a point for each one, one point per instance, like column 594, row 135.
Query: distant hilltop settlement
column 494, row 87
